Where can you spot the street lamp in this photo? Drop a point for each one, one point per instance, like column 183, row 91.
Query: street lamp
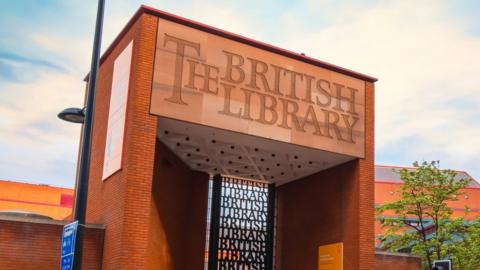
column 74, row 115
column 85, row 116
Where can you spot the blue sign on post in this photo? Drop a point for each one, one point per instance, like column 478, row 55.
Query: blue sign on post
column 68, row 245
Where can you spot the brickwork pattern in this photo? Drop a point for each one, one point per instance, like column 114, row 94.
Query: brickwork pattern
column 36, row 245
column 331, row 206
column 179, row 214
column 122, row 201
column 386, row 261
column 366, row 193
column 336, row 205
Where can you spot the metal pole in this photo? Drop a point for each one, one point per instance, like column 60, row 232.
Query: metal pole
column 84, row 166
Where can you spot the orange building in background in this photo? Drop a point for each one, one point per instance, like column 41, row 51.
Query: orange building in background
column 54, row 202
column 57, row 202
column 388, row 184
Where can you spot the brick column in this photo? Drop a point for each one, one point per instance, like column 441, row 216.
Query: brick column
column 366, row 194
column 140, row 152
column 122, row 202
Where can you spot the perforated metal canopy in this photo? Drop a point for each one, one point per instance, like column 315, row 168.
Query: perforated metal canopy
column 214, row 151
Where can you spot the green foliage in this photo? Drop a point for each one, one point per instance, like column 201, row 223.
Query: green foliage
column 423, row 208
column 465, row 250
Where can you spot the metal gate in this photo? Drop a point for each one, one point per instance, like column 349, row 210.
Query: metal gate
column 241, row 224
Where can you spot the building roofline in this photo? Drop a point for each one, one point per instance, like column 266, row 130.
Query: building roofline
column 36, row 203
column 23, row 182
column 407, row 255
column 229, row 35
column 4, row 217
column 399, row 182
column 411, row 167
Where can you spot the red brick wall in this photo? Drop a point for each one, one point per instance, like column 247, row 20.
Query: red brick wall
column 310, row 214
column 335, row 205
column 392, row 261
column 179, row 214
column 366, row 185
column 122, row 202
column 35, row 244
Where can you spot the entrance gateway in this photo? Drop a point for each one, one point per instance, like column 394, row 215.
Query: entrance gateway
column 241, row 224
column 221, row 152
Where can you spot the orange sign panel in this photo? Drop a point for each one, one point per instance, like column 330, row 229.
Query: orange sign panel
column 210, row 80
column 330, row 257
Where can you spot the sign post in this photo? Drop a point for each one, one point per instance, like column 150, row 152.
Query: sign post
column 442, row 265
column 68, row 245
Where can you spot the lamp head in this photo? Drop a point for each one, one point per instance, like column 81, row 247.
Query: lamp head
column 74, row 115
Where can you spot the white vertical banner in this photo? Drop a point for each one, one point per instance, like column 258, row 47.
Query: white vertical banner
column 117, row 112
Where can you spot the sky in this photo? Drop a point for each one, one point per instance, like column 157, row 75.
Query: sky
column 426, row 55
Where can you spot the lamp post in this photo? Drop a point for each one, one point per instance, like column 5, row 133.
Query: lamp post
column 85, row 116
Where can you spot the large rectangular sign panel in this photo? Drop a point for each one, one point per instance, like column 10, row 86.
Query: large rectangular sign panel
column 117, row 112
column 210, row 80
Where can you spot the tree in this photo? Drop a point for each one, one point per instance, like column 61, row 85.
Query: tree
column 465, row 249
column 420, row 221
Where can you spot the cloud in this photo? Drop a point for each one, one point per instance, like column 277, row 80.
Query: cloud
column 17, row 68
column 427, row 62
column 35, row 145
column 425, row 54
column 9, row 56
column 7, row 73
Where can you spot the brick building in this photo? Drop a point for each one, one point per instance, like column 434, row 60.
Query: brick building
column 49, row 201
column 204, row 102
column 207, row 140
column 387, row 189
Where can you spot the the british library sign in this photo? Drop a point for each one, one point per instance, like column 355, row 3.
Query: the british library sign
column 210, row 80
